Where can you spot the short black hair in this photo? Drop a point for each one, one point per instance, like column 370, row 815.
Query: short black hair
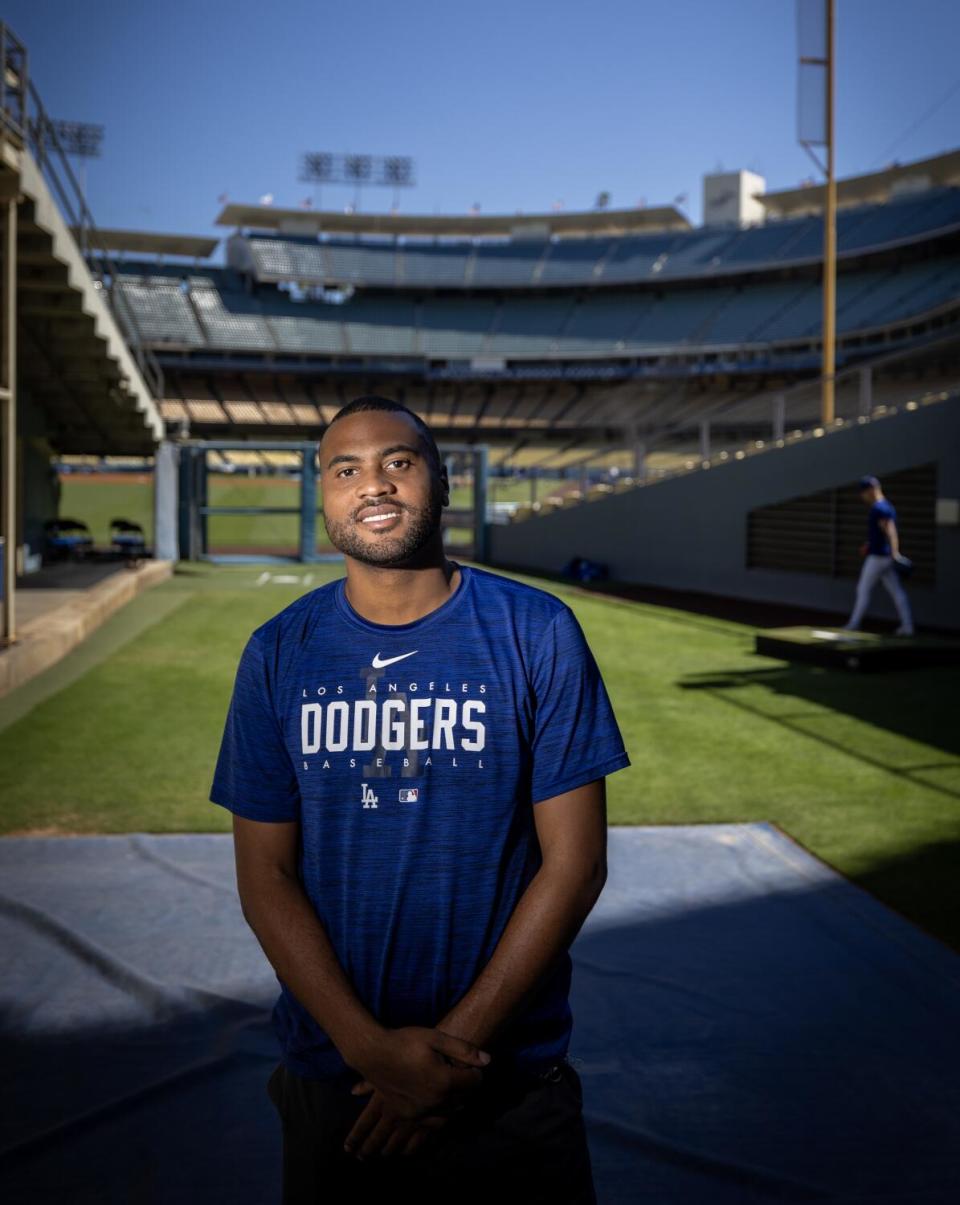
column 373, row 401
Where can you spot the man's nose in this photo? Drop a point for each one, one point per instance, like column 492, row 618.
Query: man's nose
column 374, row 482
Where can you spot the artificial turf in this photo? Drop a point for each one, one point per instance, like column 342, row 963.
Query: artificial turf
column 862, row 770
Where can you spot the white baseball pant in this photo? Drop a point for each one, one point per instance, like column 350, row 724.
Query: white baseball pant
column 880, row 567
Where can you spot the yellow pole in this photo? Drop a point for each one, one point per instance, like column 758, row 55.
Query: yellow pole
column 9, row 406
column 829, row 246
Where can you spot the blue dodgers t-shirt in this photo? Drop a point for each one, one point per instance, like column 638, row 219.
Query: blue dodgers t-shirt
column 413, row 755
column 877, row 542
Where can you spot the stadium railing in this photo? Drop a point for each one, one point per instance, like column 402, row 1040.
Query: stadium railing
column 791, row 416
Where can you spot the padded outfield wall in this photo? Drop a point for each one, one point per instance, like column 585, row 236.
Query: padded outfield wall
column 690, row 532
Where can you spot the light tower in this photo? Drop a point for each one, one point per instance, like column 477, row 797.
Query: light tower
column 390, row 171
column 83, row 141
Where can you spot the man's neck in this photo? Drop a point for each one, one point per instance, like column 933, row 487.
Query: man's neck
column 395, row 596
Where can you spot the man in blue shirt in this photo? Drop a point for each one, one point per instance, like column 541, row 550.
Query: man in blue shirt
column 415, row 757
column 880, row 552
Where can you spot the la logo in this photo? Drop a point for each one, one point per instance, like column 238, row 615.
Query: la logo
column 366, row 794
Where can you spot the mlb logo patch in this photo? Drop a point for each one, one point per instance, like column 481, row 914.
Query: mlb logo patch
column 410, row 795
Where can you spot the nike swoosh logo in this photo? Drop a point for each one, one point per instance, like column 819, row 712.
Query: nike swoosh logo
column 377, row 663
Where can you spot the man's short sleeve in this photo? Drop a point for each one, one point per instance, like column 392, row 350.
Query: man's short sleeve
column 575, row 734
column 254, row 776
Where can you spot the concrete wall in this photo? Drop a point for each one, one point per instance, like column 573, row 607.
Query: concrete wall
column 690, row 532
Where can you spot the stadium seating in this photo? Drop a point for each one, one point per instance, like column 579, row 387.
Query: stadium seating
column 531, row 327
column 901, row 219
column 574, row 261
column 159, row 310
column 772, row 242
column 351, row 263
column 387, row 328
column 501, row 265
column 287, row 259
column 709, row 251
column 213, row 311
column 748, row 310
column 604, row 320
column 231, row 319
column 697, row 254
column 433, row 265
column 455, row 327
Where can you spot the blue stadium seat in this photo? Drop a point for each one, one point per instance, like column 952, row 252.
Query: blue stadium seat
column 159, row 310
column 455, row 328
column 434, row 265
column 574, row 260
column 505, row 264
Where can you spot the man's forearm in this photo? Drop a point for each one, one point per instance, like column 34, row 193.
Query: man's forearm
column 894, row 539
column 547, row 918
column 295, row 941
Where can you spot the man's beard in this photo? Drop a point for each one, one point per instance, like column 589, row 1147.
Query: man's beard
column 418, row 528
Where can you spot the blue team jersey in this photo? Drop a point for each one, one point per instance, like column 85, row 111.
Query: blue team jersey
column 412, row 756
column 877, row 542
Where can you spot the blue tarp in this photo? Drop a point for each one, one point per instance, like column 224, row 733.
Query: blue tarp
column 748, row 1027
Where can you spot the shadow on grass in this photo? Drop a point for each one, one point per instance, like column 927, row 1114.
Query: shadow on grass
column 919, row 705
column 922, row 887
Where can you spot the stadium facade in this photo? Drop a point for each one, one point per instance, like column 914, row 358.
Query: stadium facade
column 624, row 348
column 619, row 348
column 579, row 334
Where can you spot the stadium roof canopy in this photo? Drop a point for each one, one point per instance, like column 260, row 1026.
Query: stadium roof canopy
column 190, row 245
column 873, row 188
column 532, row 225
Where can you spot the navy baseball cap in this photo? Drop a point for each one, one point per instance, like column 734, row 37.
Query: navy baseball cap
column 866, row 482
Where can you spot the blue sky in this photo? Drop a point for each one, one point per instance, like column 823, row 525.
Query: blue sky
column 510, row 104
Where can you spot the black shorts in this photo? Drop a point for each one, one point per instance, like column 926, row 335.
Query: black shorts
column 520, row 1140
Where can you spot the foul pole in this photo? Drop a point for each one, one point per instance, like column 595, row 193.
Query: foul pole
column 816, row 26
column 829, row 245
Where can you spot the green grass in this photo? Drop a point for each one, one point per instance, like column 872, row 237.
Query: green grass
column 514, row 489
column 255, row 531
column 96, row 502
column 511, row 489
column 862, row 770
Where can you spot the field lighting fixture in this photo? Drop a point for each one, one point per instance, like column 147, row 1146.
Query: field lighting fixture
column 316, row 167
column 383, row 171
column 79, row 138
column 82, row 140
column 398, row 171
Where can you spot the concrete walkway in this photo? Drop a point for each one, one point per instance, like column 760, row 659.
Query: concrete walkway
column 61, row 605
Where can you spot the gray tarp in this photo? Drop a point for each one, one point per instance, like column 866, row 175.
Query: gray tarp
column 748, row 1027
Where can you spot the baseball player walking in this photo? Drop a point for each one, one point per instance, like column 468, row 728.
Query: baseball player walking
column 882, row 554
